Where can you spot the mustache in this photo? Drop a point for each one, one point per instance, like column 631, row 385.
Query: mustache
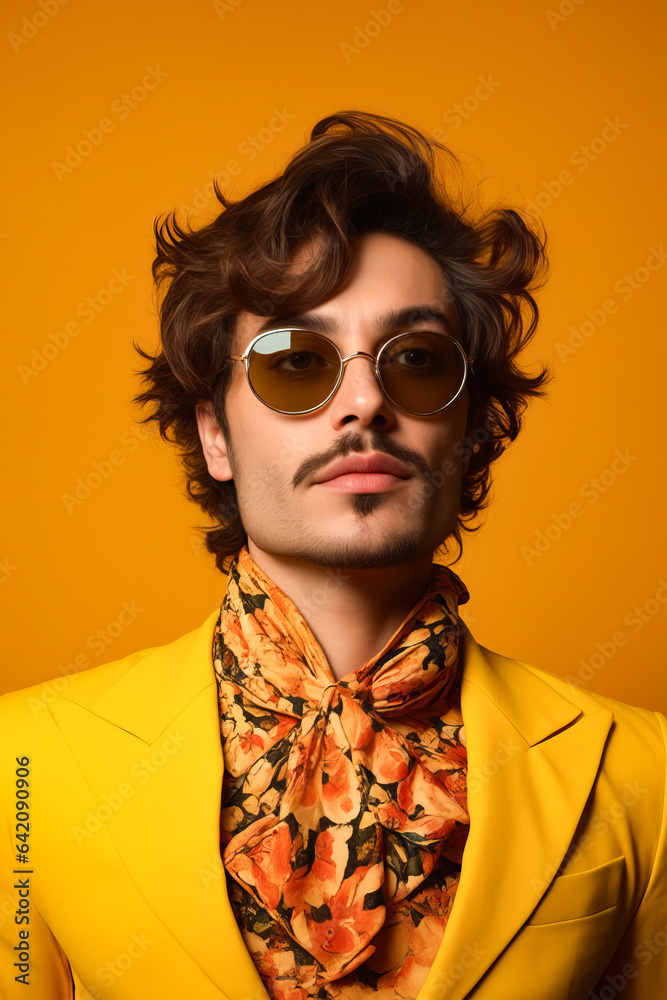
column 357, row 442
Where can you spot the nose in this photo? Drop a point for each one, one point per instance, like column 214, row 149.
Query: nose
column 359, row 395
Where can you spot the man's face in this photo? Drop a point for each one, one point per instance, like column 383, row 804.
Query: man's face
column 275, row 458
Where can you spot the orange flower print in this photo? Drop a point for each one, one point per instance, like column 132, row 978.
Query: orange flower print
column 344, row 807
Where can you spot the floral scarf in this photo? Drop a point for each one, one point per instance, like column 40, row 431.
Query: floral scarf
column 344, row 810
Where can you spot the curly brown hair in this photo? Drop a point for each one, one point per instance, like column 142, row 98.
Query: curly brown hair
column 360, row 172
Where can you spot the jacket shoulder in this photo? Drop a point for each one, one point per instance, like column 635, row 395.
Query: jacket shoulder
column 629, row 718
column 30, row 702
column 84, row 686
column 512, row 673
column 584, row 696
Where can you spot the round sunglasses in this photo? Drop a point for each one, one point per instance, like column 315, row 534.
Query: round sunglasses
column 297, row 371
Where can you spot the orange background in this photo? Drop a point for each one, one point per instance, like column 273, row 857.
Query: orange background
column 220, row 71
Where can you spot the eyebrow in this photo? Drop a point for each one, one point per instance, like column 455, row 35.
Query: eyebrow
column 391, row 320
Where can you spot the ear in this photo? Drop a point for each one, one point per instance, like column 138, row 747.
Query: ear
column 213, row 442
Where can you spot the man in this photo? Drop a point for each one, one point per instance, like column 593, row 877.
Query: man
column 329, row 789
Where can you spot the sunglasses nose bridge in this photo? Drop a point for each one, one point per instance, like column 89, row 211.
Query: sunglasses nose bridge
column 358, row 354
column 363, row 354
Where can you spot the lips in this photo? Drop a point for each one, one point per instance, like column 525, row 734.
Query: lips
column 374, row 462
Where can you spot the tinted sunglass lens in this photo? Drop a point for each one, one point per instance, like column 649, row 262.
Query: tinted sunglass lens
column 293, row 370
column 422, row 372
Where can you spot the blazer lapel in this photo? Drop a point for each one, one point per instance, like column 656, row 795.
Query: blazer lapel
column 159, row 725
column 532, row 760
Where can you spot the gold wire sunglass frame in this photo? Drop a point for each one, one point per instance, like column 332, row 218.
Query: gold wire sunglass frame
column 467, row 365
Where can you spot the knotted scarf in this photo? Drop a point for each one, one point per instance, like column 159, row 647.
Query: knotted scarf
column 344, row 812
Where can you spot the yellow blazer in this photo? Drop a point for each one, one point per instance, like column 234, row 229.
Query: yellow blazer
column 563, row 886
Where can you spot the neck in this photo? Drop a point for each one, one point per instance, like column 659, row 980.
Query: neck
column 351, row 612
